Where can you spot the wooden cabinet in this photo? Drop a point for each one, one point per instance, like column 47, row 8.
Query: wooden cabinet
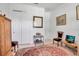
column 5, row 36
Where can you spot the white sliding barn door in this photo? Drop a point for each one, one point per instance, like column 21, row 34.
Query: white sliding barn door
column 16, row 31
column 16, row 27
column 22, row 29
column 27, row 30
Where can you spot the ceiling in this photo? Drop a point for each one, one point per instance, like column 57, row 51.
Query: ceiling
column 47, row 6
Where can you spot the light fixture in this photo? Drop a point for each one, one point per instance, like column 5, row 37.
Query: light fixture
column 17, row 11
column 36, row 3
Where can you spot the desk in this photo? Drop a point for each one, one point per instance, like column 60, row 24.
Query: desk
column 72, row 46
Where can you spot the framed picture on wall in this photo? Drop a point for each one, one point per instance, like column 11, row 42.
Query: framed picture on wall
column 61, row 20
column 77, row 12
column 37, row 22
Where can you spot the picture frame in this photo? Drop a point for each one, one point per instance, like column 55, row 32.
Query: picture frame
column 61, row 20
column 77, row 12
column 37, row 22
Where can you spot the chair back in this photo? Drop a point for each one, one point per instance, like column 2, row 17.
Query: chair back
column 60, row 34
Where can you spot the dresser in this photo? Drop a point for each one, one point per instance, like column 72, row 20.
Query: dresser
column 5, row 36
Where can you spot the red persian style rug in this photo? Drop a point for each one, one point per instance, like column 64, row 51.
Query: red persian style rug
column 44, row 51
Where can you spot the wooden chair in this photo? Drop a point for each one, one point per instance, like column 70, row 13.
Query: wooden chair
column 15, row 45
column 59, row 38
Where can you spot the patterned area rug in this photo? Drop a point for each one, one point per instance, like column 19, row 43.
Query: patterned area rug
column 44, row 51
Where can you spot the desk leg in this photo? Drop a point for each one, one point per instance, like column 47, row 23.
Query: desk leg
column 77, row 51
column 17, row 45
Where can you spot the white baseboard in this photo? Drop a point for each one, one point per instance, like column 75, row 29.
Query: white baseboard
column 26, row 45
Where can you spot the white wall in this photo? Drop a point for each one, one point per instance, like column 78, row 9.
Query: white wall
column 22, row 23
column 72, row 24
column 47, row 25
column 3, row 8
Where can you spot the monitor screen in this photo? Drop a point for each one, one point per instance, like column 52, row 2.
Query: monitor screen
column 70, row 39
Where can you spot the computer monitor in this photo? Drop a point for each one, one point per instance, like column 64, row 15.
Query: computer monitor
column 70, row 38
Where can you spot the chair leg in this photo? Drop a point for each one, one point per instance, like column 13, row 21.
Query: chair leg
column 61, row 43
column 53, row 41
column 57, row 43
column 43, row 43
column 35, row 44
